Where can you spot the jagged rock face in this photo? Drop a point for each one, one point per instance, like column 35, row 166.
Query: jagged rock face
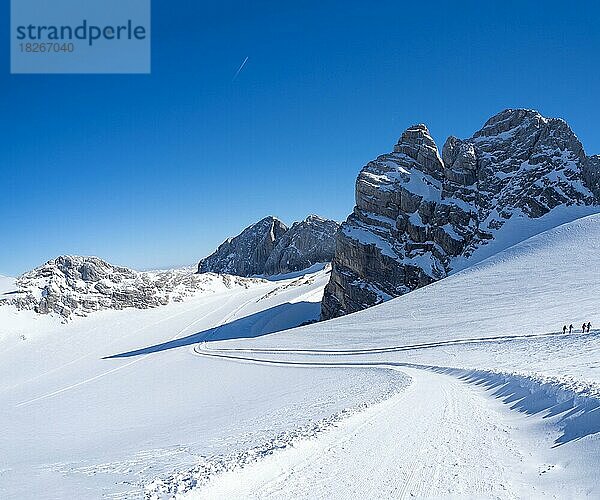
column 416, row 211
column 269, row 247
column 592, row 174
column 247, row 253
column 75, row 285
column 304, row 244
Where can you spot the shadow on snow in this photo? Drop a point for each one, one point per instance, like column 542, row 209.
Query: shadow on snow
column 275, row 319
column 577, row 415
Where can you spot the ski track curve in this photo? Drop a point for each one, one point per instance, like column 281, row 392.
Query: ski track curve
column 408, row 347
column 439, row 437
column 418, row 443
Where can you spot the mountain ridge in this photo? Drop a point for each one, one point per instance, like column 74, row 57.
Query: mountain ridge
column 268, row 247
column 74, row 285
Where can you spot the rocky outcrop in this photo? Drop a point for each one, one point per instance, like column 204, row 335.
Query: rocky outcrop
column 592, row 174
column 247, row 253
column 304, row 244
column 268, row 248
column 417, row 212
column 75, row 285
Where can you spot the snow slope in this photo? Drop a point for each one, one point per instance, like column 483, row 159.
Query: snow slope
column 500, row 404
column 460, row 389
column 77, row 425
column 6, row 284
column 533, row 287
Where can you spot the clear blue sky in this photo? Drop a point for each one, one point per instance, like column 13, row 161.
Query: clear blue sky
column 155, row 170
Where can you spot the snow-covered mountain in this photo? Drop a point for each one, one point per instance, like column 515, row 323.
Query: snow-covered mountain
column 78, row 285
column 419, row 216
column 269, row 248
column 488, row 335
column 218, row 396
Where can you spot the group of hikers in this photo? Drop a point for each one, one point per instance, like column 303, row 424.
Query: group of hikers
column 585, row 328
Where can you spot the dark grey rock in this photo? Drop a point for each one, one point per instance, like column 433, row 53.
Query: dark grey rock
column 247, row 253
column 269, row 247
column 304, row 244
column 592, row 174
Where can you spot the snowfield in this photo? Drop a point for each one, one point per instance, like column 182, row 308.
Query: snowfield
column 7, row 284
column 79, row 424
column 506, row 405
column 464, row 388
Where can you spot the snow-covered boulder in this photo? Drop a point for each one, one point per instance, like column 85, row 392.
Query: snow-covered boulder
column 419, row 215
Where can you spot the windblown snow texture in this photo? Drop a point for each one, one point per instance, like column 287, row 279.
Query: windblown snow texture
column 419, row 215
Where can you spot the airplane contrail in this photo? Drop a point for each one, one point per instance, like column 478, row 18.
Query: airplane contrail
column 239, row 69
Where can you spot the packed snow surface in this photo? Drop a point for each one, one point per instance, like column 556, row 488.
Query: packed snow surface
column 501, row 404
column 78, row 425
column 464, row 388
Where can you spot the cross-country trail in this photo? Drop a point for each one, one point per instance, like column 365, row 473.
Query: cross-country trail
column 425, row 441
column 444, row 435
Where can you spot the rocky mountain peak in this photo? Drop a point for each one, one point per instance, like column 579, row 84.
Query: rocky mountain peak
column 417, row 213
column 247, row 253
column 415, row 137
column 524, row 130
column 314, row 219
column 417, row 144
column 511, row 120
column 84, row 268
column 270, row 226
column 307, row 242
column 268, row 247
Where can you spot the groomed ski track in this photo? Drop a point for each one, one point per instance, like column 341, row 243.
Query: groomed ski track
column 442, row 436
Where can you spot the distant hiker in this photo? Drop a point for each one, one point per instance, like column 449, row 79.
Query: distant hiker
column 565, row 329
column 589, row 326
column 583, row 328
column 570, row 328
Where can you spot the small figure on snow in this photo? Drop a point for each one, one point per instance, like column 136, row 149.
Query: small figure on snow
column 589, row 325
column 564, row 329
column 570, row 328
column 583, row 328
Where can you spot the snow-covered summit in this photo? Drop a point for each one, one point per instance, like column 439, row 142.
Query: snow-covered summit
column 420, row 214
column 72, row 284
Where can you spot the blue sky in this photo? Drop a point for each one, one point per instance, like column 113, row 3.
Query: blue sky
column 155, row 170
